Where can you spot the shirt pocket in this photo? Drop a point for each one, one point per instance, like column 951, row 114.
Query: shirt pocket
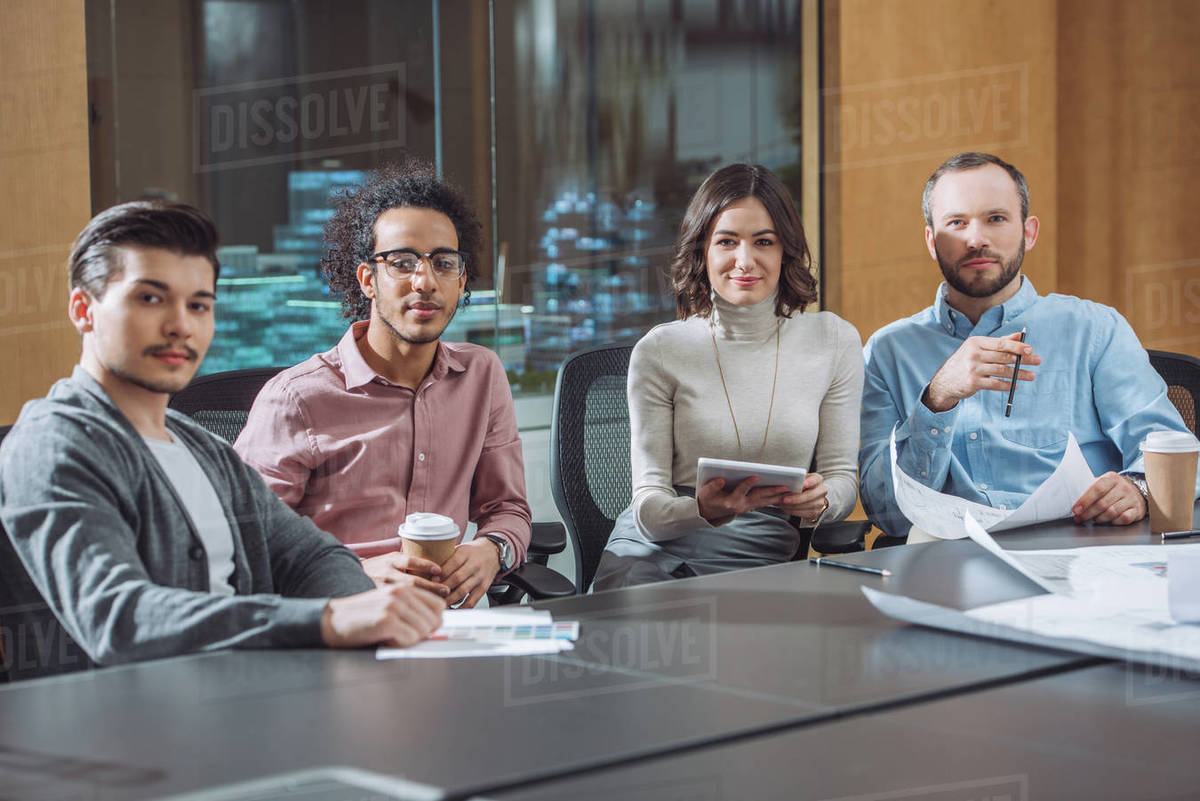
column 1043, row 410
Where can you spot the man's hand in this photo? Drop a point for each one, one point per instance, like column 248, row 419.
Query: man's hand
column 979, row 363
column 719, row 507
column 471, row 570
column 1112, row 499
column 810, row 502
column 408, row 571
column 395, row 615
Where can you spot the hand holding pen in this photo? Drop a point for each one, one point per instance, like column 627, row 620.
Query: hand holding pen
column 979, row 363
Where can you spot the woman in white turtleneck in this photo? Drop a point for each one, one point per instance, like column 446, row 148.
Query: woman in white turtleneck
column 744, row 374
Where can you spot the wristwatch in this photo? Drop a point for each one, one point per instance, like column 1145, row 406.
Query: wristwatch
column 1138, row 480
column 506, row 551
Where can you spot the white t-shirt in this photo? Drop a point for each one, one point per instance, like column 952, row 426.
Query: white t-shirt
column 203, row 507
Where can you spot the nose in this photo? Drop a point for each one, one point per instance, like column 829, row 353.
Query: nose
column 976, row 237
column 423, row 280
column 743, row 258
column 178, row 322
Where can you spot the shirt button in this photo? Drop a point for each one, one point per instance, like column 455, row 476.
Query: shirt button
column 420, row 457
column 195, row 553
column 983, row 486
column 974, row 435
column 945, row 431
column 933, row 431
column 924, row 474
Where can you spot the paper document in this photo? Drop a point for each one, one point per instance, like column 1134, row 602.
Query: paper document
column 1114, row 605
column 942, row 515
column 491, row 632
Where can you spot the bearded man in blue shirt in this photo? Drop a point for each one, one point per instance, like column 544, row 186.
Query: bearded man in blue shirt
column 941, row 377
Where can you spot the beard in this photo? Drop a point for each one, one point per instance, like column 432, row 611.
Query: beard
column 424, row 338
column 982, row 287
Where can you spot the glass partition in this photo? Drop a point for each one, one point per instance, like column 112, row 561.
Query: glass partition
column 580, row 128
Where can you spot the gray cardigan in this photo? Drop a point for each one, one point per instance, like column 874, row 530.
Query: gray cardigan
column 105, row 539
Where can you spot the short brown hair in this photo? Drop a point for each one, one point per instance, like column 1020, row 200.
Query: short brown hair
column 174, row 227
column 689, row 273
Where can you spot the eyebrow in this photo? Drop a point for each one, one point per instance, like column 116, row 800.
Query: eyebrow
column 952, row 214
column 735, row 233
column 159, row 285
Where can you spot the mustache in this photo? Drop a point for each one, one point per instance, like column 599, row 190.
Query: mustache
column 154, row 350
column 981, row 254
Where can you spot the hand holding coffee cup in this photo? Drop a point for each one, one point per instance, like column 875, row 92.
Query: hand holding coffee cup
column 1170, row 459
column 426, row 535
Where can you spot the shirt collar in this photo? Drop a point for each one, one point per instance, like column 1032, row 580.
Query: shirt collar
column 955, row 322
column 358, row 373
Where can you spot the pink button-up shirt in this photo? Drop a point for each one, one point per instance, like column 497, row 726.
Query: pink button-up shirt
column 357, row 454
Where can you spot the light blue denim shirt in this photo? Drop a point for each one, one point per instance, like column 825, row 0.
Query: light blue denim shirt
column 1095, row 381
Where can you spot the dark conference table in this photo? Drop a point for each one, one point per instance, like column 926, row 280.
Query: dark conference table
column 661, row 673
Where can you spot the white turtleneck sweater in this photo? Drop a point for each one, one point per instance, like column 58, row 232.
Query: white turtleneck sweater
column 678, row 410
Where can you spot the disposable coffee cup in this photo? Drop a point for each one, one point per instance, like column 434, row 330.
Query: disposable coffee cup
column 1170, row 458
column 429, row 536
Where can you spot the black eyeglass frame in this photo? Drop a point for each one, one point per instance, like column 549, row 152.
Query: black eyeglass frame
column 382, row 258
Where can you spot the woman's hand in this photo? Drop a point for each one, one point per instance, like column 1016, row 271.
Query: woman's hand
column 810, row 502
column 719, row 507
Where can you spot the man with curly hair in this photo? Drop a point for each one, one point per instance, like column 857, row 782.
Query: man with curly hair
column 393, row 420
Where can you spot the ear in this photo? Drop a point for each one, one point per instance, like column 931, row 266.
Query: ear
column 366, row 280
column 79, row 309
column 1032, row 226
column 930, row 242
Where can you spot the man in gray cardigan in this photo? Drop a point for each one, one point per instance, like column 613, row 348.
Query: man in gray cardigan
column 145, row 535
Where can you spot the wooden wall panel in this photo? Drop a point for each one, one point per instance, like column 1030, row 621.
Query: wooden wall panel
column 1129, row 144
column 907, row 85
column 44, row 191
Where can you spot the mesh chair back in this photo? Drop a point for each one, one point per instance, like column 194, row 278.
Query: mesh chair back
column 221, row 402
column 589, row 451
column 1182, row 374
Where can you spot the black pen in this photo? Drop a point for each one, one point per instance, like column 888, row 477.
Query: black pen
column 874, row 571
column 1180, row 535
column 1012, row 388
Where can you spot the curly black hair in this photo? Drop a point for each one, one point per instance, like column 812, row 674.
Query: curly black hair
column 350, row 233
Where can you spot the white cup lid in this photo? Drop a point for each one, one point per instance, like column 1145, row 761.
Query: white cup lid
column 428, row 526
column 1170, row 442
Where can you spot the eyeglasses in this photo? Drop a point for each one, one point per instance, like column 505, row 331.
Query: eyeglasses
column 404, row 262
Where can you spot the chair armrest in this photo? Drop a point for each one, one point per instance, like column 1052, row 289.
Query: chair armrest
column 844, row 537
column 539, row 582
column 548, row 539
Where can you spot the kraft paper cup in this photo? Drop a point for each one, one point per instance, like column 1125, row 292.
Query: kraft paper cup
column 429, row 536
column 1170, row 458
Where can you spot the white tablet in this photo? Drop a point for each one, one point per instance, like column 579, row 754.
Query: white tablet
column 734, row 473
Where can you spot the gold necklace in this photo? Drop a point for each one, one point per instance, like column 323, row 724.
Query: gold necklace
column 732, row 416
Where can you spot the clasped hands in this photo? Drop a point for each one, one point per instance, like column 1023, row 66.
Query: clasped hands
column 719, row 506
column 988, row 363
column 464, row 578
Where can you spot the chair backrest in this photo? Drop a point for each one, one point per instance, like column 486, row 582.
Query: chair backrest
column 590, row 473
column 1182, row 374
column 221, row 402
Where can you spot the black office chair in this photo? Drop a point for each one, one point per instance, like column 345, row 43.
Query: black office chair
column 1182, row 374
column 590, row 473
column 221, row 403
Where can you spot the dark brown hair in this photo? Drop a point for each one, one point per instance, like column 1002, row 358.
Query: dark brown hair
column 174, row 227
column 969, row 161
column 350, row 234
column 689, row 273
